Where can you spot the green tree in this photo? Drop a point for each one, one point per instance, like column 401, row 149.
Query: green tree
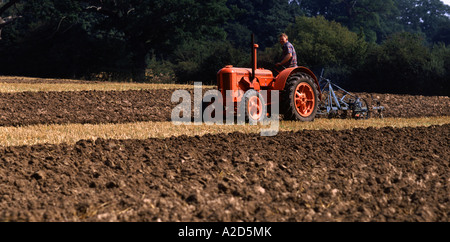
column 265, row 18
column 200, row 61
column 157, row 25
column 376, row 18
column 405, row 64
column 430, row 17
column 51, row 39
column 4, row 7
column 326, row 44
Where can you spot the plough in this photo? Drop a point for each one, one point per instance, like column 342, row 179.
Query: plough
column 337, row 102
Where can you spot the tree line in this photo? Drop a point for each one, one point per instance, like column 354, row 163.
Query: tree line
column 397, row 46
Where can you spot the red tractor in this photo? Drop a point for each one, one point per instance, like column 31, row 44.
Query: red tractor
column 298, row 90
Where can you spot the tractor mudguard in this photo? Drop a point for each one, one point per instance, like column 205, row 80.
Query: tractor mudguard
column 280, row 80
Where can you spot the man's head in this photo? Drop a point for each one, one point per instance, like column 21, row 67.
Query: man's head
column 283, row 38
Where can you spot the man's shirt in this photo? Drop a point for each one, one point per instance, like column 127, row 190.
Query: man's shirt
column 289, row 48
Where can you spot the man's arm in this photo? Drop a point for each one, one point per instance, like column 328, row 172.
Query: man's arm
column 285, row 59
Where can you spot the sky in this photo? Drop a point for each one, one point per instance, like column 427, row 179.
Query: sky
column 446, row 2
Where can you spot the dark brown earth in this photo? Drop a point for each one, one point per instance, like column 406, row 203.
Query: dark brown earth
column 93, row 107
column 27, row 108
column 369, row 174
column 408, row 106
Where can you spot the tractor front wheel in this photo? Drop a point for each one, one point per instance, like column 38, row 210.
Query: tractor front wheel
column 299, row 100
column 254, row 106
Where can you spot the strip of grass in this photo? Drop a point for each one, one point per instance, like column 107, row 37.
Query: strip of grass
column 71, row 133
column 98, row 86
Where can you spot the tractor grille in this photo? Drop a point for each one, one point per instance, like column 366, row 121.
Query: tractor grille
column 227, row 81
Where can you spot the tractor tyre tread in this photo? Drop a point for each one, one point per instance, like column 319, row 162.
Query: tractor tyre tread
column 287, row 107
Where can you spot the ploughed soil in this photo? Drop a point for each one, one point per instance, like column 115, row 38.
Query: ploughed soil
column 384, row 174
column 27, row 108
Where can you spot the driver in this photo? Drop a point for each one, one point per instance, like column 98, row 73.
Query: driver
column 289, row 57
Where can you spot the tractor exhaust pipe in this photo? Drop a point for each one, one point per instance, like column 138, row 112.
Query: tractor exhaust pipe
column 254, row 59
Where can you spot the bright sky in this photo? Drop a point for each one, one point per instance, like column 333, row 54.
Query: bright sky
column 446, row 2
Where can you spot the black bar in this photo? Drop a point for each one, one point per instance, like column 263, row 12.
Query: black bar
column 253, row 57
column 228, row 231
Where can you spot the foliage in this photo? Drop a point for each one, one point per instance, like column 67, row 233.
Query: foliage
column 430, row 17
column 404, row 64
column 265, row 18
column 323, row 44
column 373, row 17
column 193, row 66
column 371, row 45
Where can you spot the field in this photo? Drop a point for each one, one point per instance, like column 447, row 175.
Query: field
column 78, row 151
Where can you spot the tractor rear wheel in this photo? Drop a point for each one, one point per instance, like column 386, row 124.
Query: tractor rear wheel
column 299, row 99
